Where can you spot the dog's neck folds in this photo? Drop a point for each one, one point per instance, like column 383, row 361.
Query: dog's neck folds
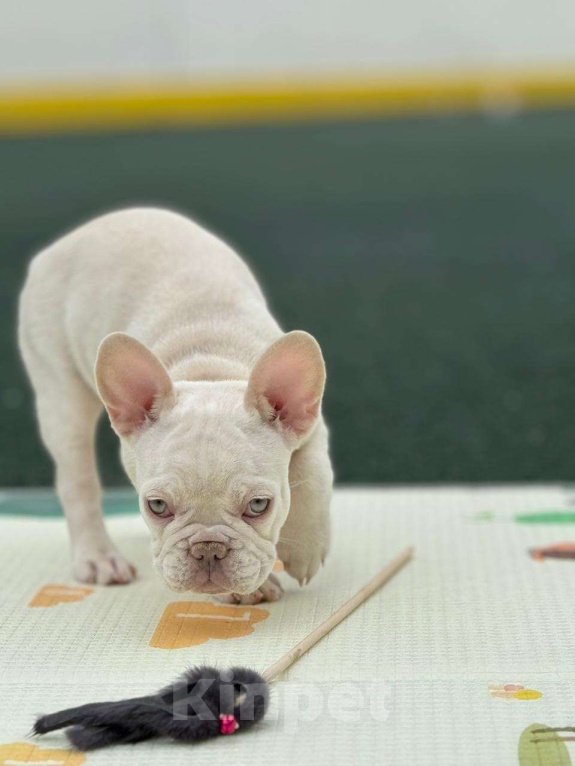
column 200, row 366
column 218, row 349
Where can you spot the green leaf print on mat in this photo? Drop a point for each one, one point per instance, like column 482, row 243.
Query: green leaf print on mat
column 547, row 517
column 541, row 746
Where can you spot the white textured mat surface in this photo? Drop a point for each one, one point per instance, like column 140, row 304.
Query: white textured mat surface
column 415, row 677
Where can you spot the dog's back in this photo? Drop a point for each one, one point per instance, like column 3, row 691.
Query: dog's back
column 151, row 273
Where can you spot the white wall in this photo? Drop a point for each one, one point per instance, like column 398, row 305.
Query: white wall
column 52, row 40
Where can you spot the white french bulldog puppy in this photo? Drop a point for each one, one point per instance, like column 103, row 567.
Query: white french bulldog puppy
column 218, row 412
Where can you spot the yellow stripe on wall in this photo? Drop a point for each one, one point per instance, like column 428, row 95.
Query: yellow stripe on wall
column 136, row 105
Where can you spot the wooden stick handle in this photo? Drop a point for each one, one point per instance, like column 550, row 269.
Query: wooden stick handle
column 380, row 579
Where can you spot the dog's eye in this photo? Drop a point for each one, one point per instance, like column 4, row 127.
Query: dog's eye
column 258, row 505
column 158, row 507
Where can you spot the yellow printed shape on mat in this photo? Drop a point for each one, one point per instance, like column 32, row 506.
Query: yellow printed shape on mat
column 26, row 754
column 51, row 595
column 541, row 746
column 514, row 691
column 190, row 623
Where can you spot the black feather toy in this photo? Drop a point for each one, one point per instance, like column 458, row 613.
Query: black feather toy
column 201, row 704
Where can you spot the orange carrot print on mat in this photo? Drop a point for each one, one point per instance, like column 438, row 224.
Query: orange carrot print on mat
column 52, row 595
column 559, row 551
column 24, row 753
column 191, row 623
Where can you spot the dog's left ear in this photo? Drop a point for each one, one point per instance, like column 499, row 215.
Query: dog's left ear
column 287, row 383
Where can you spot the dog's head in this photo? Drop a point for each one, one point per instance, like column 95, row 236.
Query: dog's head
column 210, row 459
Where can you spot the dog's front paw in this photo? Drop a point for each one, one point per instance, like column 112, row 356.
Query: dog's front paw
column 302, row 564
column 102, row 567
column 270, row 590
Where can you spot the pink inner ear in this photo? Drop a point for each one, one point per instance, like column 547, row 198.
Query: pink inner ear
column 134, row 402
column 132, row 383
column 298, row 417
column 290, row 390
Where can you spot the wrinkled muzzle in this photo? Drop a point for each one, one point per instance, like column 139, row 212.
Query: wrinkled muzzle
column 211, row 560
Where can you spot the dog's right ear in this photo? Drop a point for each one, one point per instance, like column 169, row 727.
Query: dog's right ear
column 132, row 383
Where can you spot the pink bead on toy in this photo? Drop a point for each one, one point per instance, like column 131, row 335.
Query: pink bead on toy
column 228, row 724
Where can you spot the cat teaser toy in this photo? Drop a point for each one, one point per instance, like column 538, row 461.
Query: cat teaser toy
column 204, row 702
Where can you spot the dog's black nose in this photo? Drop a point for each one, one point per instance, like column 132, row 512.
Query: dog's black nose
column 209, row 551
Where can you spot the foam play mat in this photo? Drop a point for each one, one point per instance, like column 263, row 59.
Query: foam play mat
column 465, row 657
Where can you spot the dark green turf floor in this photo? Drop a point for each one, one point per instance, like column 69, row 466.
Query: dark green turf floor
column 433, row 258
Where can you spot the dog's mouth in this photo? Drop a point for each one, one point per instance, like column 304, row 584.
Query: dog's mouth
column 214, row 583
column 182, row 573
